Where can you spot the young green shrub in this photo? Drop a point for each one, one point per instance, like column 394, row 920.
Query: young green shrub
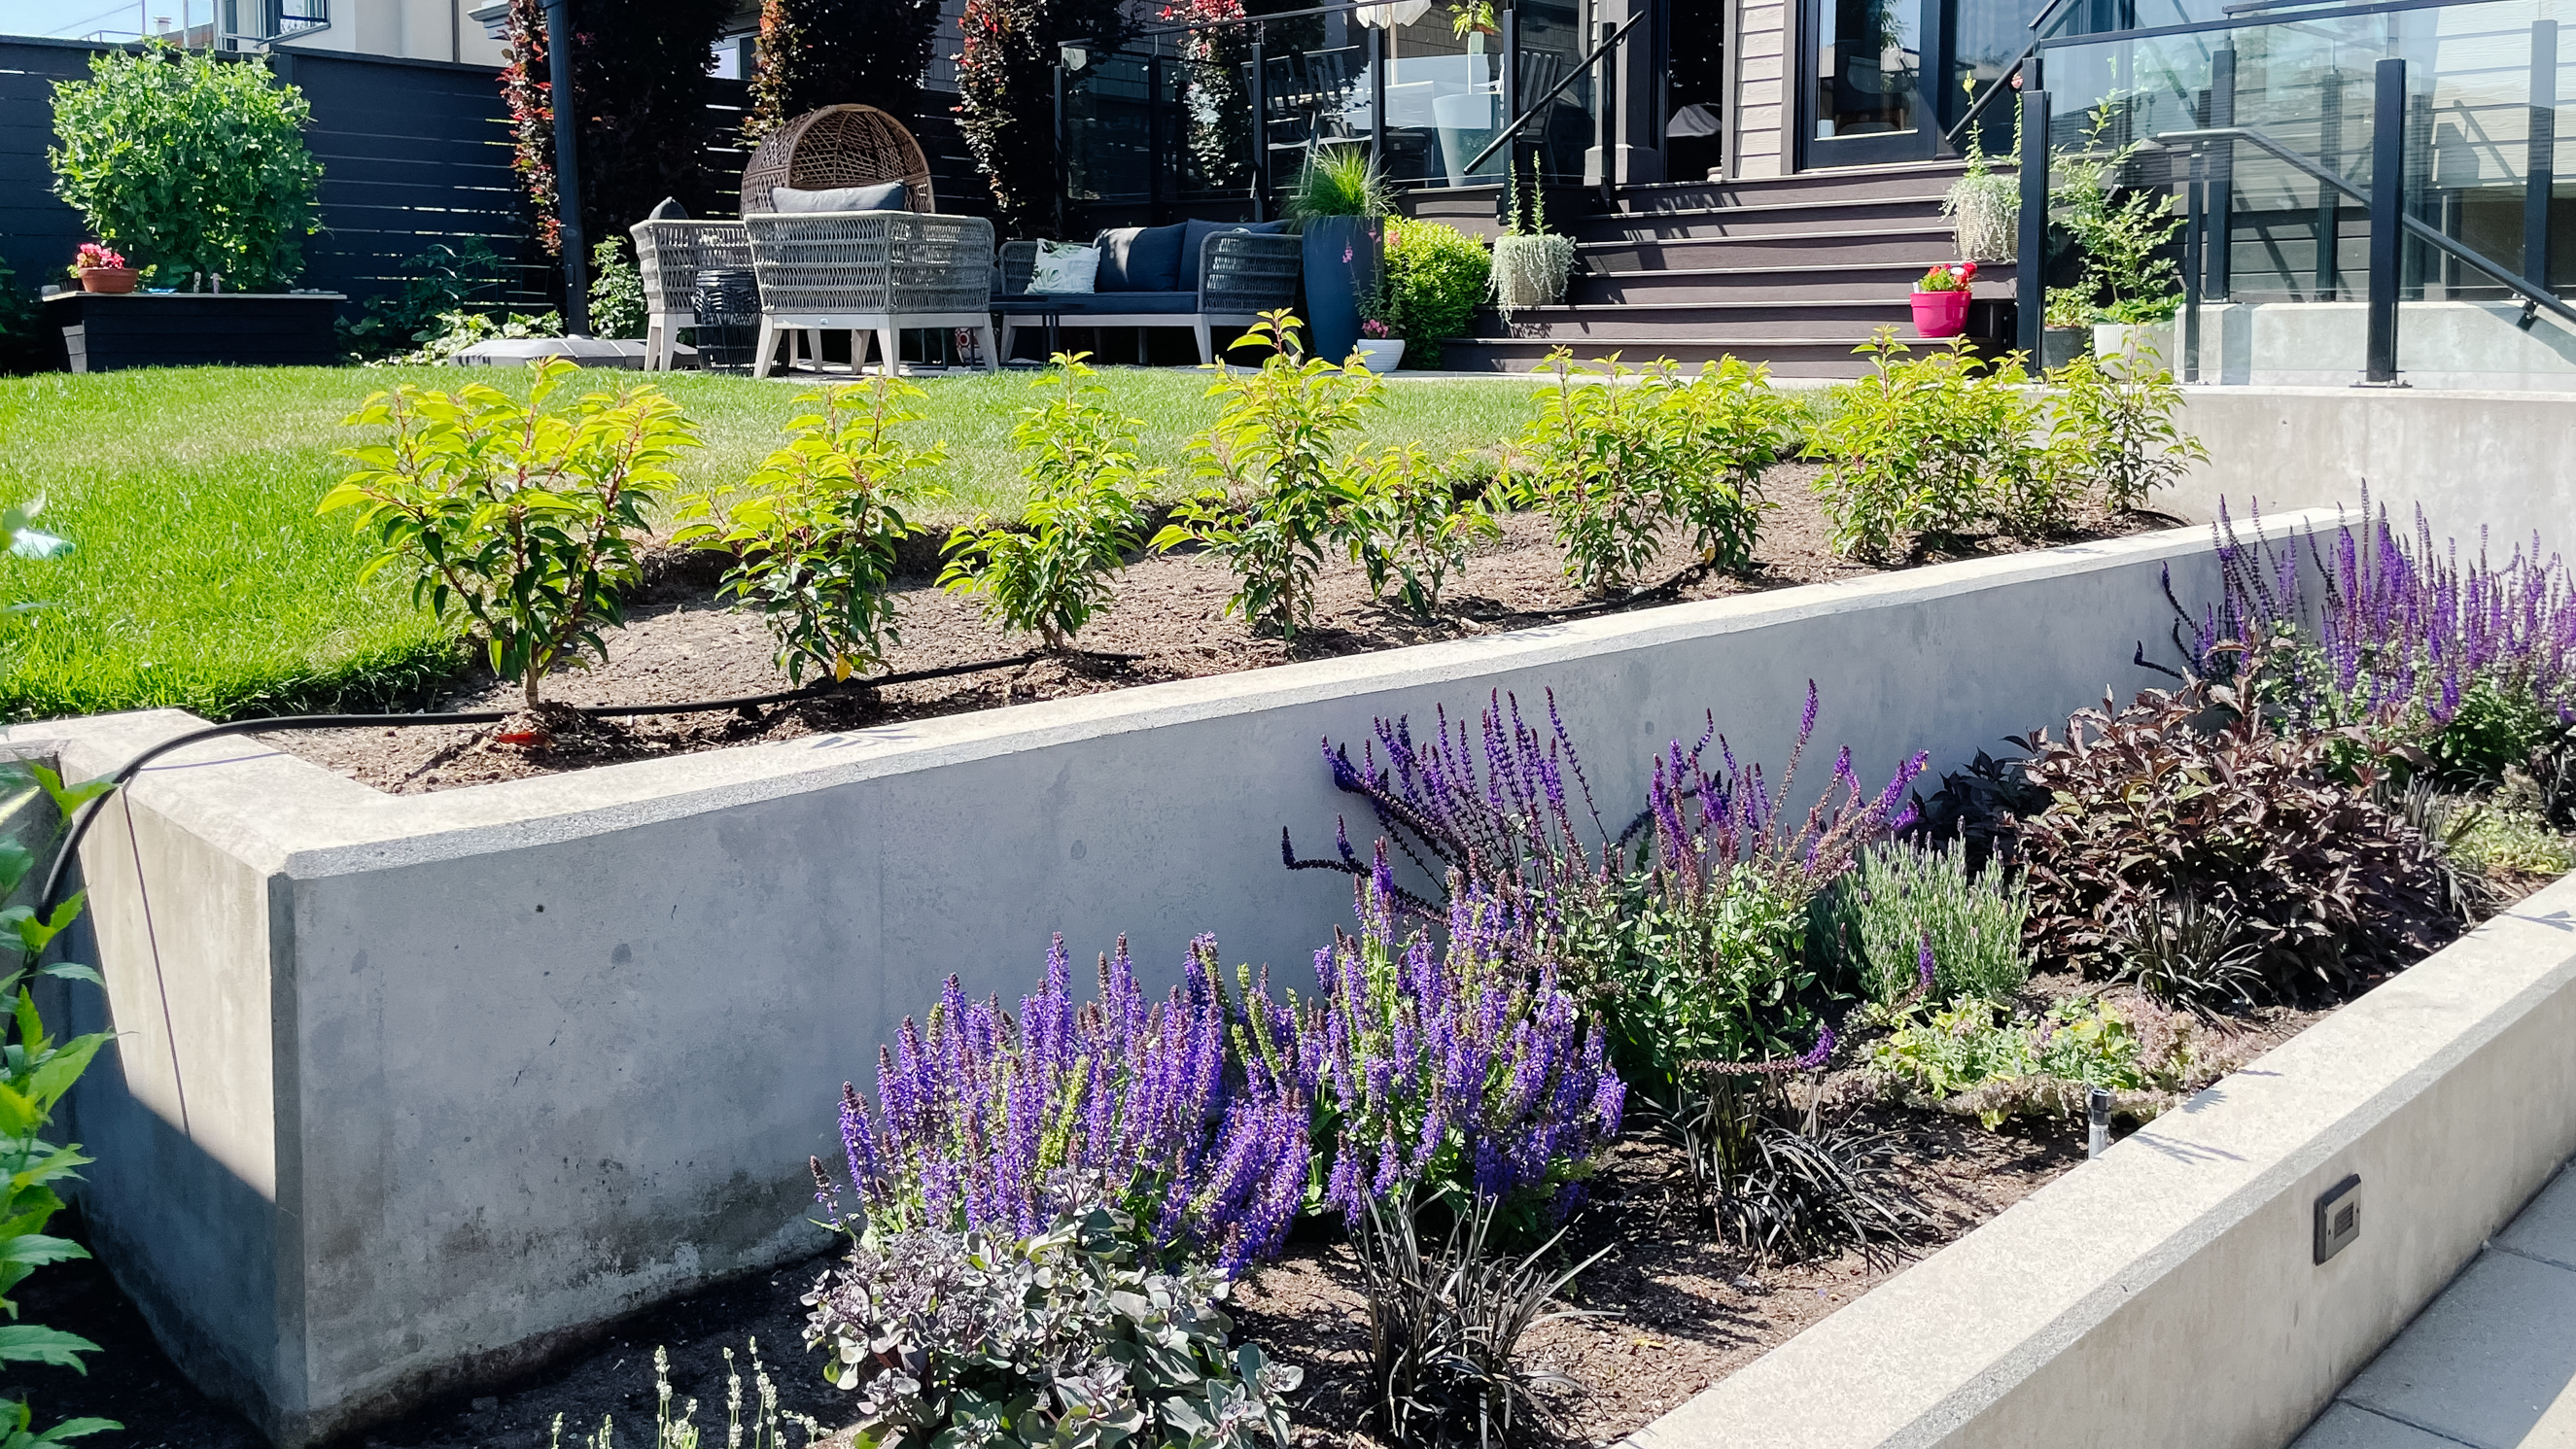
column 1904, row 904
column 813, row 531
column 2117, row 436
column 616, row 291
column 1069, row 1337
column 524, row 517
column 452, row 332
column 1732, row 425
column 1434, row 277
column 1929, row 447
column 1408, row 526
column 1282, row 491
column 189, row 164
column 1085, row 484
column 441, row 280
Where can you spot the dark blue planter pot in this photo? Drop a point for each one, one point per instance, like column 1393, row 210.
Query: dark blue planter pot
column 1341, row 264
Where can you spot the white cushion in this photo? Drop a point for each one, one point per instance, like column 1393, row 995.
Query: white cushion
column 885, row 196
column 1064, row 267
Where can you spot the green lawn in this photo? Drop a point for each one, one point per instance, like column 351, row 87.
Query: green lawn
column 201, row 577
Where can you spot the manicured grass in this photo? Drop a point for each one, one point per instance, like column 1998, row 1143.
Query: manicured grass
column 202, row 579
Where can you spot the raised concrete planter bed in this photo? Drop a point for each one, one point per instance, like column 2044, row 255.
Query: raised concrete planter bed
column 2166, row 1294
column 410, row 1087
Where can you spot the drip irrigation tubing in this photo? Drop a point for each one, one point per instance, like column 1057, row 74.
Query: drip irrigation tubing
column 824, row 689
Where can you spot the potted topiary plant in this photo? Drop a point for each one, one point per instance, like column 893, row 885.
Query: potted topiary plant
column 2065, row 330
column 1531, row 263
column 1941, row 299
column 1339, row 203
column 99, row 270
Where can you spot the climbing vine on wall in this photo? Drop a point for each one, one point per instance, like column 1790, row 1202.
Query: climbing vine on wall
column 1005, row 79
column 816, row 53
column 640, row 88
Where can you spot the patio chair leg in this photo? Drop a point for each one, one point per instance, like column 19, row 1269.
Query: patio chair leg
column 653, row 343
column 1207, row 346
column 765, row 352
column 984, row 344
column 890, row 344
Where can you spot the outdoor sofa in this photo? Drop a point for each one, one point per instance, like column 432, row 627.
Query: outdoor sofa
column 1203, row 275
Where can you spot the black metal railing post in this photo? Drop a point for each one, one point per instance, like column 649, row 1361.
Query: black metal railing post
column 2195, row 255
column 1509, row 21
column 2219, row 202
column 1154, row 139
column 2387, row 213
column 1063, row 162
column 2030, row 272
column 2540, row 152
column 1260, row 93
column 1377, row 61
column 1605, row 114
column 2329, row 204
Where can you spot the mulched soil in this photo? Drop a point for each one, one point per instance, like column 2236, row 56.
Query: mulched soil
column 681, row 644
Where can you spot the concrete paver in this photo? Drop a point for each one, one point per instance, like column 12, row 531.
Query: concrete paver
column 2342, row 1426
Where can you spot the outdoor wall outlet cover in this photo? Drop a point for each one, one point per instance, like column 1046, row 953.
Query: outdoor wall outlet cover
column 2338, row 1217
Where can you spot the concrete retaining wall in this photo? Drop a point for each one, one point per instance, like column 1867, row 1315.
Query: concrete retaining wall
column 2493, row 460
column 2166, row 1293
column 410, row 1087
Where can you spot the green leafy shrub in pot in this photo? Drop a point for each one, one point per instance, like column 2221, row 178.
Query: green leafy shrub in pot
column 1901, row 904
column 2183, row 791
column 814, row 530
column 1433, row 277
column 524, row 517
column 1051, row 575
column 2122, row 232
column 189, row 164
column 1281, row 490
column 1069, row 1337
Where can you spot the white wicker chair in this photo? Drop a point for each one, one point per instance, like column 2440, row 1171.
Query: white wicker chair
column 875, row 272
column 671, row 254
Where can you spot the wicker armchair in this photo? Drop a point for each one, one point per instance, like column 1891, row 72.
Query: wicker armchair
column 834, row 147
column 878, row 272
column 672, row 253
column 1237, row 277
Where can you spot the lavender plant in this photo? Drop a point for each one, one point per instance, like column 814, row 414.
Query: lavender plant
column 1455, row 1073
column 990, row 1121
column 1066, row 1338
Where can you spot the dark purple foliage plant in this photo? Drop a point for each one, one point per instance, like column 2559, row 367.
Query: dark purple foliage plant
column 987, row 1120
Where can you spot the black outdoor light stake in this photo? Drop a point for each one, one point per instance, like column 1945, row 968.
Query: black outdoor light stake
column 576, row 254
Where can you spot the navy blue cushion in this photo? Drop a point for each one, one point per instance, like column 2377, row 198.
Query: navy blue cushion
column 1070, row 305
column 1194, row 241
column 1140, row 258
column 884, row 196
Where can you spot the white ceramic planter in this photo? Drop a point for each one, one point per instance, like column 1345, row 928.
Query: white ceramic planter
column 1380, row 354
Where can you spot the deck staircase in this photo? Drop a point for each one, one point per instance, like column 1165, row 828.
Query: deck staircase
column 1792, row 272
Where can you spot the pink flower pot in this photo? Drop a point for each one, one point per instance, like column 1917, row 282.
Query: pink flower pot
column 1941, row 314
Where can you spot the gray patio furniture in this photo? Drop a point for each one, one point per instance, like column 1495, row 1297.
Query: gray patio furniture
column 875, row 273
column 671, row 254
column 1235, row 277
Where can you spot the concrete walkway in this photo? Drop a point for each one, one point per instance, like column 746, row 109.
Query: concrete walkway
column 2491, row 1363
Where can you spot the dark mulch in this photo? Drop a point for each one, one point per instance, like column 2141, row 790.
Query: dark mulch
column 681, row 644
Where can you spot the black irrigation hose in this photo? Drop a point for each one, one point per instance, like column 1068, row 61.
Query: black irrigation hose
column 821, row 690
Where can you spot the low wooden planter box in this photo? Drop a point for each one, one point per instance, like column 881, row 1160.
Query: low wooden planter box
column 102, row 333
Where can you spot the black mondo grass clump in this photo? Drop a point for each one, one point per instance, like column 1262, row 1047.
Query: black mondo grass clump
column 1445, row 1325
column 2190, row 956
column 1784, row 1184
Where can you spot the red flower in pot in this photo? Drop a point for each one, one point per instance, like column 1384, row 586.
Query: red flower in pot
column 1941, row 299
column 101, row 270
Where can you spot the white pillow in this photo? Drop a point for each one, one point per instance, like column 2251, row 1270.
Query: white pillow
column 1064, row 267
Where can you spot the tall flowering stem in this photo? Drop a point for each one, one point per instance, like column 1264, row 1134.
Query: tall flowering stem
column 1454, row 1069
column 990, row 1121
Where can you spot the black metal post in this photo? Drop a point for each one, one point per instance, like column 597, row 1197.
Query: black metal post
column 1605, row 122
column 2540, row 152
column 1063, row 163
column 1509, row 21
column 2030, row 271
column 567, row 109
column 2387, row 210
column 1153, row 141
column 1260, row 89
column 1377, row 91
column 2220, row 202
column 2329, row 201
column 2194, row 256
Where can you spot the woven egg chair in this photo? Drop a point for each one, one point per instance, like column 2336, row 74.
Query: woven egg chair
column 834, row 147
